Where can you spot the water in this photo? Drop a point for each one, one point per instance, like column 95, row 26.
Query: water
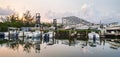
column 59, row 48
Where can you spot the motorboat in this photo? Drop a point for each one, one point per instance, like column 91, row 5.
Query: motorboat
column 2, row 35
column 93, row 35
column 50, row 33
column 36, row 33
column 12, row 33
column 6, row 34
column 21, row 34
column 28, row 34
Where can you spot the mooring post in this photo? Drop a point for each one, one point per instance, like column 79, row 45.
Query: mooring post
column 23, row 35
column 9, row 34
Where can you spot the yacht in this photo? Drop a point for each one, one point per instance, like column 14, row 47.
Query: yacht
column 50, row 33
column 93, row 35
column 36, row 33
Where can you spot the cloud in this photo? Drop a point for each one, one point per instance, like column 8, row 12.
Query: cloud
column 6, row 11
column 57, row 15
column 91, row 12
column 94, row 14
column 50, row 15
column 86, row 12
column 84, row 6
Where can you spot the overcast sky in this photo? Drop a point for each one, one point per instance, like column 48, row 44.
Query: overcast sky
column 91, row 10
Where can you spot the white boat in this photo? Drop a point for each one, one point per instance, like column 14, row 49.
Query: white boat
column 50, row 34
column 20, row 34
column 12, row 34
column 36, row 34
column 92, row 35
column 6, row 34
column 28, row 34
column 50, row 42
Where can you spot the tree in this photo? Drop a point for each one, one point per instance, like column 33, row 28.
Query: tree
column 13, row 18
column 27, row 17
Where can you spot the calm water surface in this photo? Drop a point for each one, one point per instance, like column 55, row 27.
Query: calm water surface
column 59, row 48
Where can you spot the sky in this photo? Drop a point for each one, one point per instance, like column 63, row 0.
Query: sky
column 90, row 10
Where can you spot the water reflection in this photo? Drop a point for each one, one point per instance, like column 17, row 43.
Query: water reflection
column 27, row 47
column 37, row 47
column 35, row 43
column 14, row 45
column 30, row 45
column 114, row 45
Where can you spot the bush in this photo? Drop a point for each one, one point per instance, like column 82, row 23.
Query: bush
column 3, row 28
column 63, row 33
column 45, row 31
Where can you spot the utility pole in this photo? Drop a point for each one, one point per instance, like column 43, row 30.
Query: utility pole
column 55, row 23
column 38, row 23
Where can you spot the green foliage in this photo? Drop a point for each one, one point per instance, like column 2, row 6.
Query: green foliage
column 63, row 33
column 3, row 41
column 87, row 31
column 45, row 31
column 15, row 21
column 46, row 24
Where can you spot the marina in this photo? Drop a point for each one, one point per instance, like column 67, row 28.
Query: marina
column 59, row 28
column 66, row 47
column 75, row 41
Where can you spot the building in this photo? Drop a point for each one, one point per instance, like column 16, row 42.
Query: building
column 112, row 31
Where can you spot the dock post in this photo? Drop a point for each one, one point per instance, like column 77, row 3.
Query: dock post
column 23, row 35
column 9, row 35
column 86, row 34
column 41, row 38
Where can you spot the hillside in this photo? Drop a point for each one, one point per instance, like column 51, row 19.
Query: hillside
column 76, row 20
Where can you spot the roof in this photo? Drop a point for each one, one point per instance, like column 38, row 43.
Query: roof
column 113, row 28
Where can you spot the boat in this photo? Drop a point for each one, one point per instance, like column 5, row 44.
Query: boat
column 21, row 34
column 28, row 34
column 50, row 33
column 2, row 35
column 6, row 34
column 36, row 33
column 93, row 35
column 12, row 33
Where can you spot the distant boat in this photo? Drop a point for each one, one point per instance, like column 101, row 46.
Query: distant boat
column 20, row 34
column 11, row 33
column 6, row 34
column 50, row 33
column 93, row 35
column 36, row 33
column 28, row 34
column 2, row 35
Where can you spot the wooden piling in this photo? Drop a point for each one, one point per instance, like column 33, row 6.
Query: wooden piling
column 23, row 35
column 9, row 35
